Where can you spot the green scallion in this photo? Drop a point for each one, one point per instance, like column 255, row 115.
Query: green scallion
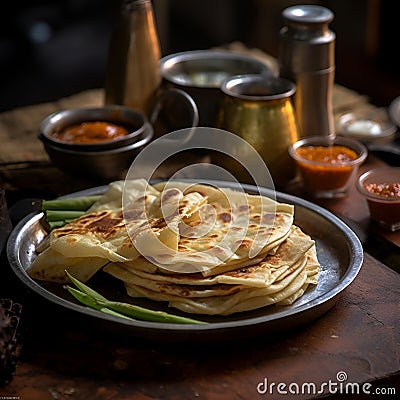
column 94, row 300
column 81, row 203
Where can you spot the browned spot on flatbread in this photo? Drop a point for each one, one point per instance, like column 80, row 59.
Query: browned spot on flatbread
column 225, row 216
column 104, row 226
column 134, row 214
column 99, row 223
column 269, row 218
column 245, row 207
column 242, row 272
column 188, row 291
column 169, row 194
column 157, row 223
column 244, row 244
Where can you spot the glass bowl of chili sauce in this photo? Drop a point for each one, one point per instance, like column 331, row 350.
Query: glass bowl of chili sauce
column 381, row 189
column 328, row 166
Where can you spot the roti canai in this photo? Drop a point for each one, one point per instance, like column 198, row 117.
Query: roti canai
column 202, row 249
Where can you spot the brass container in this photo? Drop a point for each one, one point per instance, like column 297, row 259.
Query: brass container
column 133, row 72
column 260, row 110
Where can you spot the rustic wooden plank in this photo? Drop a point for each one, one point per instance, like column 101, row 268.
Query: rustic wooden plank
column 359, row 336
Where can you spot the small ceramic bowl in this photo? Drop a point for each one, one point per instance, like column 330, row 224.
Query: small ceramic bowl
column 368, row 127
column 381, row 189
column 328, row 166
column 104, row 160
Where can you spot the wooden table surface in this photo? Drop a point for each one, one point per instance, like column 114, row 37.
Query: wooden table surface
column 64, row 357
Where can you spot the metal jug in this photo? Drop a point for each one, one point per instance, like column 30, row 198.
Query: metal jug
column 133, row 72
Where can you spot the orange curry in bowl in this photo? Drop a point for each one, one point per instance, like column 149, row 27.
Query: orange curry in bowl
column 90, row 132
column 326, row 167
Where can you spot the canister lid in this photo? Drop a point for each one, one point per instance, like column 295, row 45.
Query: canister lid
column 307, row 43
column 307, row 13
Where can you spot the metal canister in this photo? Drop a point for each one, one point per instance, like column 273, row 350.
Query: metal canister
column 307, row 56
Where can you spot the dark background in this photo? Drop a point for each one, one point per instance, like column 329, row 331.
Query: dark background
column 50, row 49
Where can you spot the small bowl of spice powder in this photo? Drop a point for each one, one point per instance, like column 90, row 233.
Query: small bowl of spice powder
column 381, row 189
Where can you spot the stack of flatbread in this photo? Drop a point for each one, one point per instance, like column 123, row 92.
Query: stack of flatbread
column 202, row 249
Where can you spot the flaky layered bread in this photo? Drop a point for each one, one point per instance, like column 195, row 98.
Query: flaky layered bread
column 202, row 249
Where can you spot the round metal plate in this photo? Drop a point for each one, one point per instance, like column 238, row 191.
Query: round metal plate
column 338, row 248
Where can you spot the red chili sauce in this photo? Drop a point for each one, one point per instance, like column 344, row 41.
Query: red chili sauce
column 90, row 132
column 332, row 171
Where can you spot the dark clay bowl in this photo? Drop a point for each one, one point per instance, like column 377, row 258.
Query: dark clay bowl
column 134, row 121
column 102, row 161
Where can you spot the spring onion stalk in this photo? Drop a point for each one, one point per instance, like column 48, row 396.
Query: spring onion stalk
column 59, row 224
column 87, row 300
column 76, row 203
column 85, row 289
column 60, row 212
column 95, row 300
column 62, row 215
column 56, row 224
